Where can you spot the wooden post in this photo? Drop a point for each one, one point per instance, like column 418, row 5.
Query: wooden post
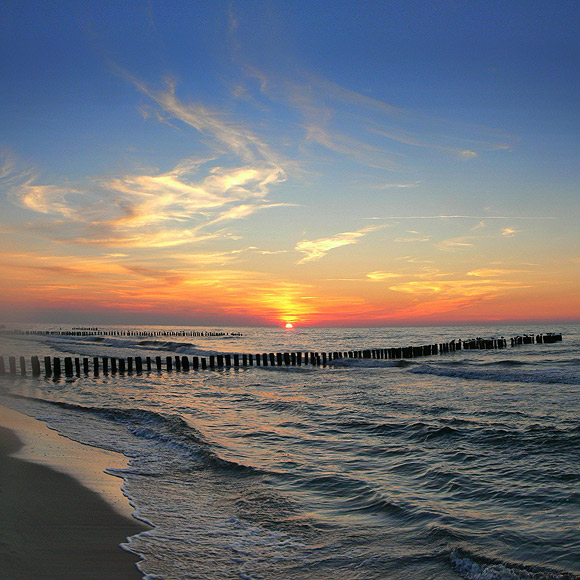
column 203, row 363
column 96, row 366
column 2, row 367
column 47, row 366
column 272, row 359
column 105, row 365
column 185, row 363
column 158, row 363
column 251, row 360
column 279, row 359
column 86, row 366
column 68, row 366
column 195, row 363
column 211, row 361
column 12, row 364
column 299, row 358
column 56, row 366
column 228, row 360
column 148, row 363
column 237, row 360
column 139, row 364
column 22, row 366
column 293, row 359
column 129, row 364
column 34, row 362
column 177, row 363
column 121, row 366
column 169, row 362
column 220, row 360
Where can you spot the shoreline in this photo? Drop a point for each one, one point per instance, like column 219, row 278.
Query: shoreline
column 61, row 516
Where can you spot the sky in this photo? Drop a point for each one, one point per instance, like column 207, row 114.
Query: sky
column 321, row 163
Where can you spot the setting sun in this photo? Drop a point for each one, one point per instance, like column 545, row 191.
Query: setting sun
column 289, row 325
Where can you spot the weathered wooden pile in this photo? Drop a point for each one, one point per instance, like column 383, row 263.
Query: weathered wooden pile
column 78, row 366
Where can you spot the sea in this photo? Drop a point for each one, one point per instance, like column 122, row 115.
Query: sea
column 459, row 465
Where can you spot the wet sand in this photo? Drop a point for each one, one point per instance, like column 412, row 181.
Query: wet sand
column 51, row 526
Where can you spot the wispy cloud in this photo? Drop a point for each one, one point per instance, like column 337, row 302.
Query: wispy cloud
column 454, row 288
column 400, row 185
column 494, row 272
column 414, row 237
column 47, row 199
column 236, row 138
column 356, row 149
column 509, row 232
column 316, row 249
column 379, row 276
column 180, row 206
column 461, row 153
column 433, row 297
column 454, row 244
column 461, row 217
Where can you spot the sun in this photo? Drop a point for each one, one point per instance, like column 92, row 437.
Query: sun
column 289, row 325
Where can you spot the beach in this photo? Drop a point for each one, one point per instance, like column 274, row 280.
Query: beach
column 52, row 526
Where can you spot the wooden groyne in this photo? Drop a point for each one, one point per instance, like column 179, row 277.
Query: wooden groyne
column 79, row 366
column 118, row 332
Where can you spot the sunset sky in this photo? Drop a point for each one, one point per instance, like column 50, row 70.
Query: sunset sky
column 321, row 163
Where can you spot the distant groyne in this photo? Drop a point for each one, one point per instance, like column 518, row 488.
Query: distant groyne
column 116, row 332
column 79, row 366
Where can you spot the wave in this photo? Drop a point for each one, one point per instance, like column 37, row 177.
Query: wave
column 554, row 376
column 74, row 344
column 356, row 496
column 497, row 434
column 475, row 567
column 372, row 363
column 185, row 443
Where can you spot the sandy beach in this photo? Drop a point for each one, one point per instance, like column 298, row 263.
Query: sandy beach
column 52, row 526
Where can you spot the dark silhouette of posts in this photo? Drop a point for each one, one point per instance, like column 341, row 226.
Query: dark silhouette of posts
column 35, row 363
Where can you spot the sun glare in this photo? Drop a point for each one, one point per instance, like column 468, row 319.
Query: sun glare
column 289, row 325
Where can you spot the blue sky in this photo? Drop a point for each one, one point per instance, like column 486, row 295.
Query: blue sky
column 318, row 162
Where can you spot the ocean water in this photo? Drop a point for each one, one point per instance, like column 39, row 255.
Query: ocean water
column 462, row 465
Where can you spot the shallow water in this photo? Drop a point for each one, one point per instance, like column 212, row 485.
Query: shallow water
column 464, row 465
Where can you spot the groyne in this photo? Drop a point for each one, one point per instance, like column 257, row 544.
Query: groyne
column 116, row 332
column 79, row 366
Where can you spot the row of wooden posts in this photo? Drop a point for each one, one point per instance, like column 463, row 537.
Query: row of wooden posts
column 117, row 332
column 53, row 366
